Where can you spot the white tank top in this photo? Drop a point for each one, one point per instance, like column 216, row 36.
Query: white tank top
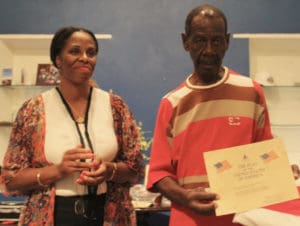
column 61, row 135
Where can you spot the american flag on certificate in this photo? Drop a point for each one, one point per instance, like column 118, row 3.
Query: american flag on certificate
column 222, row 166
column 269, row 156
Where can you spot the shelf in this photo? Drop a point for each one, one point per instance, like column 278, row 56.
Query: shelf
column 33, row 43
column 5, row 123
column 267, row 35
column 274, row 55
column 21, row 86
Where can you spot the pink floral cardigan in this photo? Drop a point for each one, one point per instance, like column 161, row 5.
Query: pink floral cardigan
column 26, row 149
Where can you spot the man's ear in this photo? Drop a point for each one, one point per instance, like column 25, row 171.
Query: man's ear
column 185, row 42
column 227, row 40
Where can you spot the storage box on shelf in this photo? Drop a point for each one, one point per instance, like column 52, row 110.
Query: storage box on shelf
column 274, row 61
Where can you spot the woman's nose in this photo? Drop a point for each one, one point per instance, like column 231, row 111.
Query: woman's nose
column 84, row 56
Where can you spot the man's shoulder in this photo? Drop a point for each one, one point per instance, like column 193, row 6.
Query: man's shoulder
column 239, row 79
column 176, row 94
column 179, row 87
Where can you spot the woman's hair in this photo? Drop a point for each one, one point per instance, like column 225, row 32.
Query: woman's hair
column 60, row 38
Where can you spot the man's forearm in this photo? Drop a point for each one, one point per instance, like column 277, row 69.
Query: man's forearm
column 170, row 188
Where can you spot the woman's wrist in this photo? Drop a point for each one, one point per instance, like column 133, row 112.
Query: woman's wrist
column 48, row 175
column 113, row 171
column 39, row 180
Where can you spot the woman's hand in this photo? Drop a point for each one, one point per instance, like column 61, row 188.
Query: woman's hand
column 74, row 160
column 100, row 172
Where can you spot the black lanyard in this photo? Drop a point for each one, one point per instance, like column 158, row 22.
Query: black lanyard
column 92, row 190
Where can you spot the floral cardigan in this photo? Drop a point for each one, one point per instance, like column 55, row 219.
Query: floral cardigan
column 26, row 149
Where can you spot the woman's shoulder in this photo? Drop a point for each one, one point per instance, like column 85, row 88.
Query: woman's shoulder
column 115, row 100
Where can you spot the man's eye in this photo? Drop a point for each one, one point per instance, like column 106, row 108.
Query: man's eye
column 200, row 40
column 218, row 41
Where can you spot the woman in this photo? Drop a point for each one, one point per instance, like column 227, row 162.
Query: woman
column 74, row 149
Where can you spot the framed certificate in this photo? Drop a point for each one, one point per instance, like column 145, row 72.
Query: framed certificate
column 250, row 176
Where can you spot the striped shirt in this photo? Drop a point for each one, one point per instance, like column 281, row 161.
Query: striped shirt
column 195, row 119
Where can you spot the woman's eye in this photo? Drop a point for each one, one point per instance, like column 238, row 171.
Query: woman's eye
column 91, row 52
column 88, row 52
column 74, row 51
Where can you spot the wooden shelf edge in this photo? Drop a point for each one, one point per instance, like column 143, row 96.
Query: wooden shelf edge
column 5, row 123
column 10, row 37
column 267, row 35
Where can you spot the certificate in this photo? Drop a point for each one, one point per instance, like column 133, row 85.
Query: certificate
column 250, row 176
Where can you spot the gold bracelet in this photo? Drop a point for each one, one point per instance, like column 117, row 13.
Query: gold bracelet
column 115, row 168
column 38, row 179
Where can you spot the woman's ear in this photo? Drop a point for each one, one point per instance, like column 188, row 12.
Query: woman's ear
column 58, row 62
column 185, row 42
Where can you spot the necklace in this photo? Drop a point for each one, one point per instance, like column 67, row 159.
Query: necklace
column 78, row 118
column 92, row 189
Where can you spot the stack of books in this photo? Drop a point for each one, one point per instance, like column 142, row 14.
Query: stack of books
column 10, row 211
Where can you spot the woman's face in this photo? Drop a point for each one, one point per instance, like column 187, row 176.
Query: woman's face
column 78, row 58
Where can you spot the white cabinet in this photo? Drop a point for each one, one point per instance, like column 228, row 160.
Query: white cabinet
column 21, row 52
column 277, row 56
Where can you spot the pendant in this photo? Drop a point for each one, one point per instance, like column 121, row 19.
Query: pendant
column 80, row 119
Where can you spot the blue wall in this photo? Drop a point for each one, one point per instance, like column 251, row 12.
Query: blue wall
column 145, row 58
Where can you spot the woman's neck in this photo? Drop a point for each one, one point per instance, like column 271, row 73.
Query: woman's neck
column 76, row 97
column 73, row 93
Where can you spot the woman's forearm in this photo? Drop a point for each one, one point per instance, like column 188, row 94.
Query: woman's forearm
column 34, row 178
column 122, row 173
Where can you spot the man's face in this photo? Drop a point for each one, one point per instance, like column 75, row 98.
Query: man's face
column 207, row 44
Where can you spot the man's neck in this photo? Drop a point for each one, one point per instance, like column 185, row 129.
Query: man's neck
column 197, row 79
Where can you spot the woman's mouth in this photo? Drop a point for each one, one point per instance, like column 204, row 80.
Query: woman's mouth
column 84, row 69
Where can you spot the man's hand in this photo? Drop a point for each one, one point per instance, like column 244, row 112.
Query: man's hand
column 296, row 171
column 200, row 201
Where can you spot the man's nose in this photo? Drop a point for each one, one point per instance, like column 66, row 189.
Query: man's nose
column 209, row 46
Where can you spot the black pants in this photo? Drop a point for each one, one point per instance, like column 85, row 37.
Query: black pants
column 79, row 210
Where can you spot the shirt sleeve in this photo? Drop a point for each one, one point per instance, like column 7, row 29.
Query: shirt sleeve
column 160, row 164
column 263, row 131
column 127, row 134
column 26, row 144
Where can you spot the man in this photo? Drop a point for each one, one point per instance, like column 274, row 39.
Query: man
column 214, row 108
